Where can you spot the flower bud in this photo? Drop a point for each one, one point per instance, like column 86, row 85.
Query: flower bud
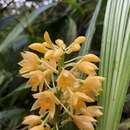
column 60, row 43
column 90, row 58
column 32, row 120
column 38, row 47
column 80, row 40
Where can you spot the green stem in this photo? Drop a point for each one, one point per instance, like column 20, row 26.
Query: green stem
column 57, row 114
column 76, row 58
column 61, row 64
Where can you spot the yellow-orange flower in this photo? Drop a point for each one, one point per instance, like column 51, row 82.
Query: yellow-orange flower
column 54, row 54
column 75, row 45
column 86, row 67
column 93, row 111
column 51, row 50
column 40, row 47
column 46, row 101
column 66, row 79
column 60, row 43
column 92, row 86
column 56, row 50
column 79, row 107
column 84, row 122
column 32, row 120
column 29, row 63
column 90, row 58
column 47, row 39
column 36, row 70
column 75, row 97
column 37, row 78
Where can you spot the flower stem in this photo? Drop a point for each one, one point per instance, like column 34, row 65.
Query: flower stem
column 72, row 59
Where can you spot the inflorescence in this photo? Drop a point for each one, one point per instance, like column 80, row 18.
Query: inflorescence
column 61, row 94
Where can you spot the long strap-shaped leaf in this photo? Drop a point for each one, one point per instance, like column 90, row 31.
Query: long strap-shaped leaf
column 91, row 30
column 25, row 21
column 115, row 64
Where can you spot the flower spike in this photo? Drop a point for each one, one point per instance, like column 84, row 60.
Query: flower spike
column 58, row 89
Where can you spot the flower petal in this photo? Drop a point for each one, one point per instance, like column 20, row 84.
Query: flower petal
column 48, row 39
column 60, row 43
column 84, row 97
column 87, row 67
column 38, row 47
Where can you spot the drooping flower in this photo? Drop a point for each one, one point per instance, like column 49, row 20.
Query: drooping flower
column 29, row 63
column 93, row 111
column 84, row 122
column 36, row 78
column 75, row 45
column 86, row 67
column 66, row 79
column 92, row 86
column 75, row 97
column 46, row 101
column 32, row 120
column 79, row 106
column 90, row 58
column 36, row 70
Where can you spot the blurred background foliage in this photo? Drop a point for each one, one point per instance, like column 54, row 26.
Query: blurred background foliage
column 23, row 22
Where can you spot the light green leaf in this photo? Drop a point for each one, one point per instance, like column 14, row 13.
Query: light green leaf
column 115, row 59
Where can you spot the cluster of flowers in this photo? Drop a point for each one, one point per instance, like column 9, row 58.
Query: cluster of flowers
column 61, row 95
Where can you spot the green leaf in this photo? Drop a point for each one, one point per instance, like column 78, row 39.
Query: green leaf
column 64, row 28
column 23, row 24
column 74, row 4
column 12, row 117
column 17, row 90
column 9, row 113
column 115, row 59
column 71, row 30
column 5, row 21
column 91, row 30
